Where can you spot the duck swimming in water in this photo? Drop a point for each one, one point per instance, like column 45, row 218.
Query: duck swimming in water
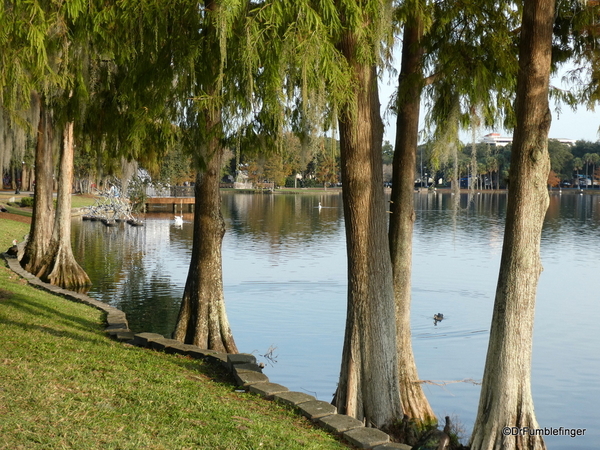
column 179, row 220
column 437, row 318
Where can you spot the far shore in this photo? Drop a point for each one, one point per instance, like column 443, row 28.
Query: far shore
column 9, row 196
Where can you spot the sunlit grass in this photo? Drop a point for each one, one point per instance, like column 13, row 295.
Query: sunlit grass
column 79, row 201
column 10, row 230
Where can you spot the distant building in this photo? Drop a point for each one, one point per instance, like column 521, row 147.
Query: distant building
column 497, row 140
column 502, row 141
column 570, row 142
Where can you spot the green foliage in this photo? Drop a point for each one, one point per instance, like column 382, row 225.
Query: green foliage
column 175, row 168
column 494, row 161
column 281, row 166
column 26, row 202
column 84, row 162
column 583, row 147
column 409, row 431
column 471, row 57
column 274, row 170
column 576, row 40
column 388, row 152
column 560, row 159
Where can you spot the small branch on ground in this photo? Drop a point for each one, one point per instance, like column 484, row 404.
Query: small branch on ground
column 270, row 356
column 442, row 383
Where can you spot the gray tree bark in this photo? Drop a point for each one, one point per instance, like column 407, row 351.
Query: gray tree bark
column 43, row 210
column 506, row 399
column 59, row 266
column 368, row 387
column 202, row 318
column 414, row 402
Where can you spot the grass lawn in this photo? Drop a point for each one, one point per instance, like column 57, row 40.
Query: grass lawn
column 77, row 201
column 9, row 230
column 81, row 200
column 65, row 385
column 17, row 210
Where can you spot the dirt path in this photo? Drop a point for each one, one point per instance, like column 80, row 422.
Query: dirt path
column 15, row 217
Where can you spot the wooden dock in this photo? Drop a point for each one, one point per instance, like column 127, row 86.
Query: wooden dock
column 170, row 204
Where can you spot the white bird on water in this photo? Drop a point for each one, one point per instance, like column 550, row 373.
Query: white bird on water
column 179, row 220
column 320, row 206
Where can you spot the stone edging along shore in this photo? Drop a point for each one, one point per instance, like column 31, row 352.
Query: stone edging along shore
column 246, row 372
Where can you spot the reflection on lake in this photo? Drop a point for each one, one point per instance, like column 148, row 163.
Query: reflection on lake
column 284, row 268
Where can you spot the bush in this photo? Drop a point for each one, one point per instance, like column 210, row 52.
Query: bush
column 27, row 202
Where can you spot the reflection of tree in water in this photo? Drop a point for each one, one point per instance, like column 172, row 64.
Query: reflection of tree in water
column 119, row 265
column 279, row 218
column 152, row 298
column 439, row 212
column 576, row 212
column 103, row 253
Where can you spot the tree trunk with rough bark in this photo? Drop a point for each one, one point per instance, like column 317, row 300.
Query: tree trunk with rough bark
column 506, row 399
column 368, row 385
column 43, row 210
column 59, row 266
column 414, row 402
column 202, row 317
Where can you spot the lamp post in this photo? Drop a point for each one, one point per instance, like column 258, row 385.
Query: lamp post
column 421, row 177
column 20, row 181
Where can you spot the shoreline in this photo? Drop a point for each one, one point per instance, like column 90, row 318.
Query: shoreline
column 243, row 367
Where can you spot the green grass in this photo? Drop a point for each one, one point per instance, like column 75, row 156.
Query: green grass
column 65, row 385
column 79, row 201
column 17, row 210
column 9, row 230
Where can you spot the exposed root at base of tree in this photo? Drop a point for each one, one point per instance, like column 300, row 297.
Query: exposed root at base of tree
column 60, row 269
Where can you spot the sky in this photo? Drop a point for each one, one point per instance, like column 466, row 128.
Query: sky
column 578, row 125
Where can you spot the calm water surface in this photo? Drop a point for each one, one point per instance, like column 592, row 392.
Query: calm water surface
column 284, row 268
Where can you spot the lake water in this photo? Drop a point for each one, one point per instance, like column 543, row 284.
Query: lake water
column 285, row 276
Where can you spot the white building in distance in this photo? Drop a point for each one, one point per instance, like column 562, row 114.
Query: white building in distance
column 497, row 140
column 502, row 141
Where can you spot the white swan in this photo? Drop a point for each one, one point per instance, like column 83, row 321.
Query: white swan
column 320, row 206
column 179, row 220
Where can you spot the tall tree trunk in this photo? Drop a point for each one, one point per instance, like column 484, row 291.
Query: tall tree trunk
column 368, row 386
column 506, row 390
column 59, row 266
column 414, row 402
column 202, row 318
column 43, row 210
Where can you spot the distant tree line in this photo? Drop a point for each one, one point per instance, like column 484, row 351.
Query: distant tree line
column 571, row 165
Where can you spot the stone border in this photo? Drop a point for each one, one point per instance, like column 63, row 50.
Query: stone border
column 247, row 373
